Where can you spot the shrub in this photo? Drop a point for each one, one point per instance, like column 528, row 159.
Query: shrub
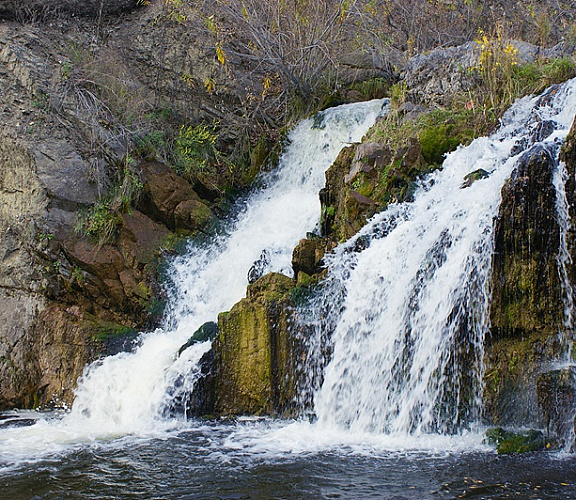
column 99, row 222
column 102, row 221
column 195, row 149
column 502, row 79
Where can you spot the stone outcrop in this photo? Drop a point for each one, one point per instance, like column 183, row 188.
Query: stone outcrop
column 363, row 180
column 527, row 311
column 437, row 76
column 255, row 353
column 527, row 289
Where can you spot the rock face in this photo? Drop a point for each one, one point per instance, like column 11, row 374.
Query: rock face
column 255, row 354
column 363, row 180
column 556, row 392
column 527, row 312
column 438, row 75
column 527, row 289
column 63, row 296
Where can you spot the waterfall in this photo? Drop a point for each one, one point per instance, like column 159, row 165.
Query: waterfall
column 127, row 393
column 399, row 324
column 408, row 312
column 564, row 263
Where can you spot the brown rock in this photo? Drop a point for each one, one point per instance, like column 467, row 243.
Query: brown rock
column 361, row 199
column 139, row 238
column 103, row 261
column 164, row 190
column 368, row 156
column 306, row 256
column 192, row 215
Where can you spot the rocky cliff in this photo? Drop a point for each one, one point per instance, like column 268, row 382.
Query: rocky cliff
column 123, row 130
column 84, row 216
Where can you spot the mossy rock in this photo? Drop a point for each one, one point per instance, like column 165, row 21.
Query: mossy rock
column 272, row 286
column 207, row 331
column 527, row 290
column 513, row 366
column 107, row 330
column 508, row 442
column 556, row 391
column 192, row 215
column 111, row 337
column 474, row 176
column 255, row 351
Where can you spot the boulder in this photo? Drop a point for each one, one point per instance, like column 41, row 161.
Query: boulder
column 507, row 442
column 192, row 215
column 164, row 191
column 207, row 331
column 472, row 177
column 556, row 392
column 436, row 75
column 255, row 351
column 306, row 256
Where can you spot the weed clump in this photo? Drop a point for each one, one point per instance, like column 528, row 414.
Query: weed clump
column 102, row 221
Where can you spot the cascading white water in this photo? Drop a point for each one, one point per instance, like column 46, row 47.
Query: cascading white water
column 412, row 308
column 125, row 394
column 564, row 263
column 564, row 258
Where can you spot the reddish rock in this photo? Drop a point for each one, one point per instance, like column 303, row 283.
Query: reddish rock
column 306, row 256
column 164, row 190
column 139, row 238
column 103, row 261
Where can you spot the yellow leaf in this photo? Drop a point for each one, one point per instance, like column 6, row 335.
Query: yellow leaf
column 210, row 85
column 220, row 54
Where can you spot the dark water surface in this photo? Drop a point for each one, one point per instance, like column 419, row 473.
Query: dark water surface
column 201, row 463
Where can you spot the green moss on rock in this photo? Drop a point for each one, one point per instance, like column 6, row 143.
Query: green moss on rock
column 527, row 311
column 527, row 293
column 507, row 442
column 255, row 352
column 556, row 391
